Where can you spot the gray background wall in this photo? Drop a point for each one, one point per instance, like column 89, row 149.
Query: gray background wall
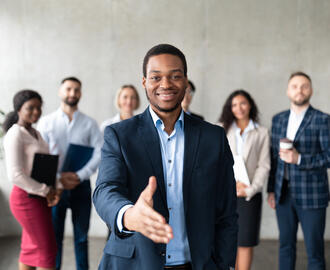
column 250, row 44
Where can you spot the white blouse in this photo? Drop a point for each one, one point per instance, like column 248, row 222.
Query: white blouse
column 110, row 121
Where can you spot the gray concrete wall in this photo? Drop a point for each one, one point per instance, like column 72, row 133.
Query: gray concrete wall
column 252, row 44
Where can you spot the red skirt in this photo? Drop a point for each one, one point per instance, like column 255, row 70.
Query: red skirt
column 38, row 246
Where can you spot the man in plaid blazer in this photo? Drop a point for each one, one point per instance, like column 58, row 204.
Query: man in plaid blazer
column 298, row 183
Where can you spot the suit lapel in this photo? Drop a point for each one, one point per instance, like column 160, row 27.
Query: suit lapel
column 191, row 141
column 284, row 124
column 248, row 143
column 305, row 121
column 232, row 140
column 149, row 135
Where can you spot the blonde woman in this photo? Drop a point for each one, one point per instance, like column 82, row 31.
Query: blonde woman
column 127, row 101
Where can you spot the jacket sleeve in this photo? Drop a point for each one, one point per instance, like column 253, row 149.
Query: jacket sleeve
column 226, row 219
column 321, row 159
column 111, row 191
column 263, row 166
column 273, row 161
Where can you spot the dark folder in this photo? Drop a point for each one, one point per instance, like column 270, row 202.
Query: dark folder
column 44, row 168
column 76, row 157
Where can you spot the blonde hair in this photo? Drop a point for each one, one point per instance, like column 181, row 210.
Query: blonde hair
column 119, row 92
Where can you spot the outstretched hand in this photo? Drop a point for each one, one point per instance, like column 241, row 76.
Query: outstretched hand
column 144, row 219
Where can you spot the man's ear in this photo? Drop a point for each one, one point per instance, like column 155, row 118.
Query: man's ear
column 144, row 82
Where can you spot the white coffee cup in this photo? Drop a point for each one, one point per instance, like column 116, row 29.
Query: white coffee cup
column 286, row 144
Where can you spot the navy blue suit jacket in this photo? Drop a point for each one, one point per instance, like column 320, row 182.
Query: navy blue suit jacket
column 309, row 180
column 130, row 155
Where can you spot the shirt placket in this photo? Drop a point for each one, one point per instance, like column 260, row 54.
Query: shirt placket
column 170, row 179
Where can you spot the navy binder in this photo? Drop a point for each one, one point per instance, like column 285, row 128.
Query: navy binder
column 76, row 157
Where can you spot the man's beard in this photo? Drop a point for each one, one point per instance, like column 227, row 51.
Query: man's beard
column 166, row 110
column 162, row 109
column 301, row 102
column 71, row 103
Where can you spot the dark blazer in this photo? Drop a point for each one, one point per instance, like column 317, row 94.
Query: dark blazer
column 309, row 180
column 197, row 115
column 130, row 155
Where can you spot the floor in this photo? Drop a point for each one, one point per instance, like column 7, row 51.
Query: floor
column 266, row 254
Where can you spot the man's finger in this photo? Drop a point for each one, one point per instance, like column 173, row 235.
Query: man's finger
column 149, row 212
column 158, row 239
column 158, row 228
column 149, row 191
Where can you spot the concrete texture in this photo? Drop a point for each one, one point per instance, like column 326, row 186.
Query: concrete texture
column 251, row 44
column 265, row 255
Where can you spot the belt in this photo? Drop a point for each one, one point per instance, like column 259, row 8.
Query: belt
column 186, row 266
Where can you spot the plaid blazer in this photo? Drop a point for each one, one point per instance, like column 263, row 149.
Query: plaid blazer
column 309, row 180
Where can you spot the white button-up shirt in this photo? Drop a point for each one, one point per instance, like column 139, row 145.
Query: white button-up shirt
column 240, row 138
column 58, row 131
column 294, row 123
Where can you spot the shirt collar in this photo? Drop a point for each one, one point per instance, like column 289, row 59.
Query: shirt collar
column 301, row 115
column 157, row 121
column 251, row 126
column 63, row 114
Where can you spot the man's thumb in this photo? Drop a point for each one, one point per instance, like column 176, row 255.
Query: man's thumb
column 150, row 189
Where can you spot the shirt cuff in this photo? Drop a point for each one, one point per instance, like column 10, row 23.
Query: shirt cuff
column 58, row 184
column 120, row 218
column 299, row 159
column 249, row 193
column 81, row 175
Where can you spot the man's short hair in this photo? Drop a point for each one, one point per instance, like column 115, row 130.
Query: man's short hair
column 300, row 73
column 164, row 49
column 192, row 86
column 74, row 79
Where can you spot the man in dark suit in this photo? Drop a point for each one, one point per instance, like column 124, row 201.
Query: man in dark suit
column 166, row 182
column 298, row 184
column 190, row 91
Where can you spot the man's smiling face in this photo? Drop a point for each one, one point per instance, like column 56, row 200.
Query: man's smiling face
column 165, row 83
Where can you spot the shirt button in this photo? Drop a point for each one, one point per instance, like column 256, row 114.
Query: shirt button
column 169, row 161
column 170, row 208
column 169, row 184
column 168, row 139
column 169, row 256
column 162, row 254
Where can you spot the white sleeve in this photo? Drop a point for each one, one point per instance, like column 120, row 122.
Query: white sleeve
column 120, row 218
column 42, row 129
column 92, row 165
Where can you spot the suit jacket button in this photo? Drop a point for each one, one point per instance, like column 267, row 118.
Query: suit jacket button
column 162, row 254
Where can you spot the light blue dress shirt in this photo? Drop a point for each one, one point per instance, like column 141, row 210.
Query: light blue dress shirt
column 172, row 150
